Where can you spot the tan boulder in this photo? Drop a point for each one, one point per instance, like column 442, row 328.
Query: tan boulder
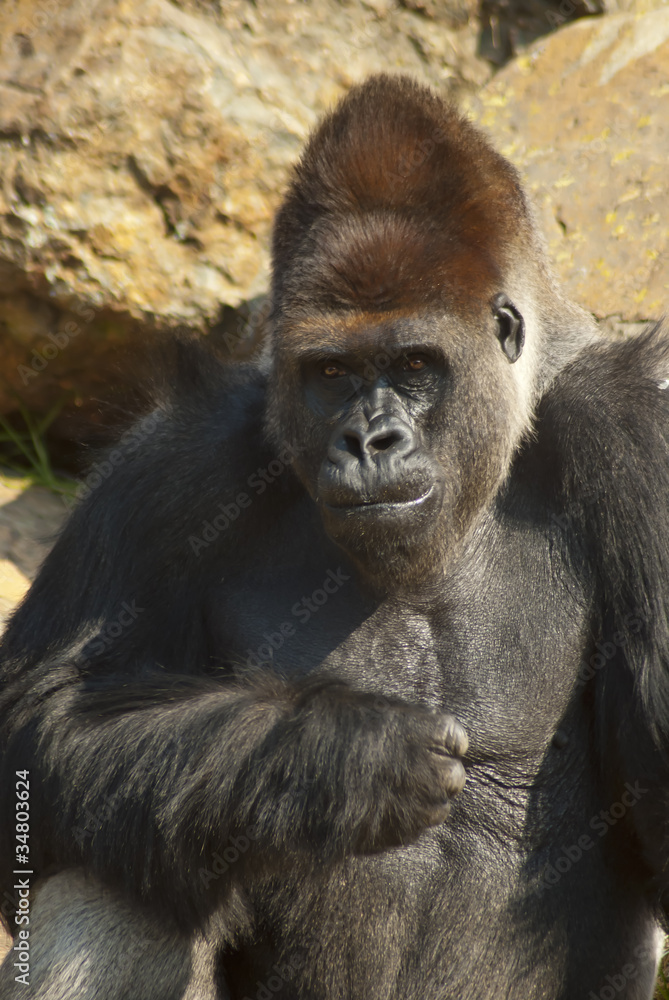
column 144, row 146
column 584, row 114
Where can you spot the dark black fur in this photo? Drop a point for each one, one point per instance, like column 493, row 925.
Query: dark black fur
column 530, row 603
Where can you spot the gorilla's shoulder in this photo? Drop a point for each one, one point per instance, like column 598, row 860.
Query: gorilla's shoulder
column 602, row 453
column 603, row 431
column 197, row 389
column 616, row 380
column 144, row 500
column 204, row 427
column 607, row 414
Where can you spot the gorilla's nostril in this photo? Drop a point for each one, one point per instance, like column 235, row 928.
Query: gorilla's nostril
column 353, row 445
column 384, row 443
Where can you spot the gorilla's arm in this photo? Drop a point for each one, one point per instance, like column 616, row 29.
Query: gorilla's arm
column 150, row 783
column 141, row 768
column 608, row 417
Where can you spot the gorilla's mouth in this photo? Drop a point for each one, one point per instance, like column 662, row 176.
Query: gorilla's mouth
column 377, row 507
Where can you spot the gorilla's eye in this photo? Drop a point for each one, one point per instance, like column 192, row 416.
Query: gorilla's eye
column 414, row 363
column 332, row 370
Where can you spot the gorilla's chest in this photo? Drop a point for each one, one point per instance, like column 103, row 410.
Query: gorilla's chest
column 499, row 645
column 500, row 653
column 506, row 668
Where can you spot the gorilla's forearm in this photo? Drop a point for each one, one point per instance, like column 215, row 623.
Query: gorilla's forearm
column 191, row 767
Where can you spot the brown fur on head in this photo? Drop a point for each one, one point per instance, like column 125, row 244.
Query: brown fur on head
column 398, row 202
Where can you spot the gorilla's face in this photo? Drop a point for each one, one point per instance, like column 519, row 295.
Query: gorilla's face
column 403, row 429
column 379, row 480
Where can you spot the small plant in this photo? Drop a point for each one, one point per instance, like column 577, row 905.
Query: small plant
column 662, row 986
column 24, row 451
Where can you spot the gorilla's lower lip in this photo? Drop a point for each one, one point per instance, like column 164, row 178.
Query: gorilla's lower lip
column 380, row 506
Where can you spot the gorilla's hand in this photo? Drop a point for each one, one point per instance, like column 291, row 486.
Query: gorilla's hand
column 358, row 772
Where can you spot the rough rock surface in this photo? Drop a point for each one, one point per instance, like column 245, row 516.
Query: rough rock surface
column 585, row 115
column 144, row 145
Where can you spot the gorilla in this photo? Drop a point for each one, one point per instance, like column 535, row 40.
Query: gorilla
column 349, row 675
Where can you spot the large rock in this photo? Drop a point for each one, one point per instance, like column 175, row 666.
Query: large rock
column 144, row 145
column 585, row 115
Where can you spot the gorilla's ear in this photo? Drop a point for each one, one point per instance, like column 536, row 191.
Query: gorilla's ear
column 510, row 326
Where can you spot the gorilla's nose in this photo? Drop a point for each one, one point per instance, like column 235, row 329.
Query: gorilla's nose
column 384, row 434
